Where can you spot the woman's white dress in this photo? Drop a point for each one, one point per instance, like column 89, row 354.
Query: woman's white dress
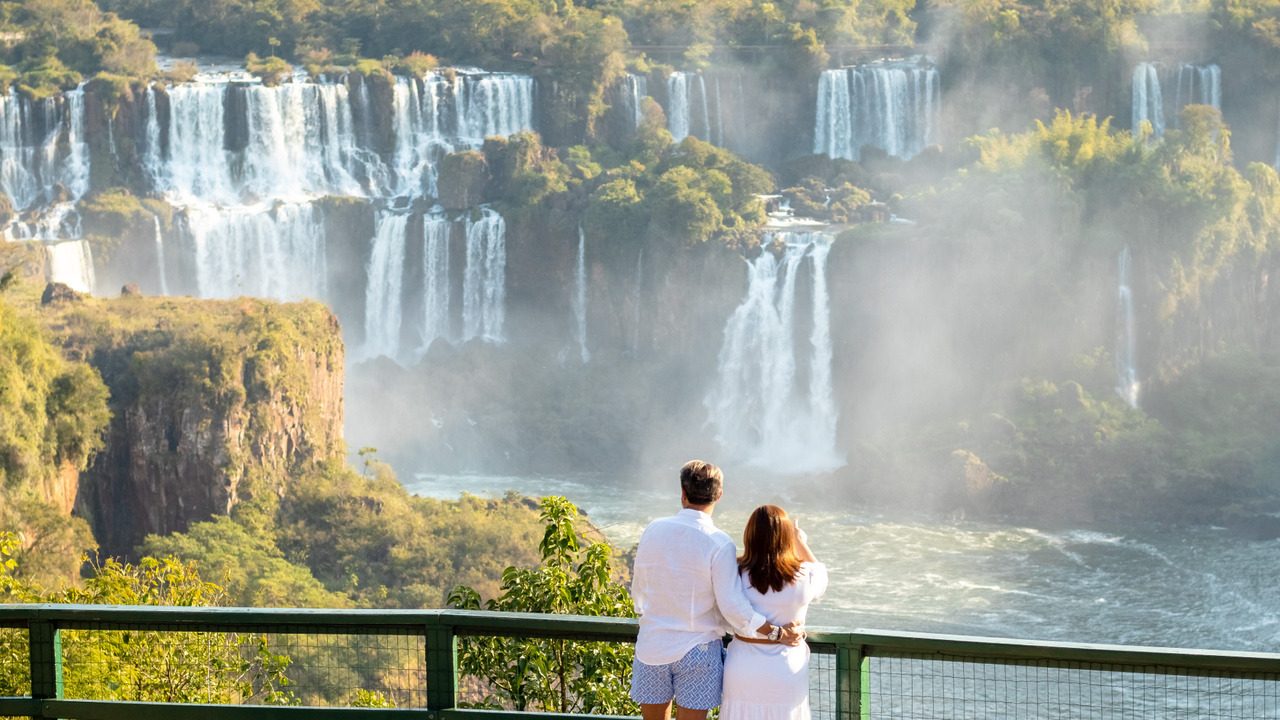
column 771, row 681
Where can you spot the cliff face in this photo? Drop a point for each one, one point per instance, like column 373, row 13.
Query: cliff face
column 212, row 402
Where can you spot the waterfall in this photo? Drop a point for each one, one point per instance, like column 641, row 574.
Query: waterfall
column 690, row 109
column 257, row 251
column 492, row 104
column 762, row 416
column 436, row 285
column 635, row 319
column 71, row 263
column 385, row 273
column 160, row 264
column 1199, row 85
column 1195, row 84
column 484, row 278
column 302, row 140
column 580, row 295
column 1126, row 354
column 1148, row 103
column 703, row 131
column 42, row 146
column 892, row 106
column 678, row 106
column 639, row 89
column 718, row 138
column 152, row 153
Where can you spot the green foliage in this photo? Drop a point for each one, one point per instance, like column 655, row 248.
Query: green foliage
column 416, row 64
column 52, row 417
column 686, row 206
column 109, row 216
column 368, row 539
column 270, row 70
column 45, row 75
column 555, row 675
column 524, row 171
column 617, row 211
column 254, row 572
column 61, row 40
column 146, row 665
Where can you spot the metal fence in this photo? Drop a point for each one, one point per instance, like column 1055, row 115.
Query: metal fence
column 88, row 662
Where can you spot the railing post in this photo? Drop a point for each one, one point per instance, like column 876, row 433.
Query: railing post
column 45, row 652
column 853, row 683
column 442, row 667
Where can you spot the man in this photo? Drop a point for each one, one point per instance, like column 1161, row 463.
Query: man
column 687, row 591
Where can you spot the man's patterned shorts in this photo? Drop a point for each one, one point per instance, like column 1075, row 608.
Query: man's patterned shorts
column 694, row 680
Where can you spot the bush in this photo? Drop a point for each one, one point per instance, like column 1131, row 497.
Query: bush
column 270, row 70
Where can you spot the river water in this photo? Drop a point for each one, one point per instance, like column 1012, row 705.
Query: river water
column 1188, row 587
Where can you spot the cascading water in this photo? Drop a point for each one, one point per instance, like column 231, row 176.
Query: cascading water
column 484, row 278
column 1126, row 341
column 382, row 309
column 892, row 106
column 580, row 295
column 678, row 105
column 637, row 89
column 71, row 263
column 436, row 285
column 160, row 263
column 690, row 111
column 1200, row 85
column 1195, row 84
column 44, row 161
column 1148, row 102
column 762, row 416
column 244, row 163
column 254, row 251
column 638, row 303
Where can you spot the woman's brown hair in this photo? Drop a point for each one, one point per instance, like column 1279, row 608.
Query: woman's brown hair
column 769, row 549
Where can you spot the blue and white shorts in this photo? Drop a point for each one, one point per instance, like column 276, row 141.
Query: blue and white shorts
column 694, row 680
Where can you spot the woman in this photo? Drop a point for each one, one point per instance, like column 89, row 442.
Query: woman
column 764, row 680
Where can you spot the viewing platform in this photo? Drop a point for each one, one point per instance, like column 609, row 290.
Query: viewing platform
column 97, row 662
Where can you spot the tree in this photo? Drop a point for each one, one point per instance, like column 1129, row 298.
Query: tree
column 554, row 675
column 145, row 665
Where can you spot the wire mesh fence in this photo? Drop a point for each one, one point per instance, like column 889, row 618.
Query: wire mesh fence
column 359, row 667
column 931, row 687
column 582, row 665
column 563, row 674
column 15, row 668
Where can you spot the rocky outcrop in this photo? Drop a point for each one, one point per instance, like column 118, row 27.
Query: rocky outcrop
column 212, row 402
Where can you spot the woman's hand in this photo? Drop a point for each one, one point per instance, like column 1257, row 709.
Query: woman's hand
column 802, row 543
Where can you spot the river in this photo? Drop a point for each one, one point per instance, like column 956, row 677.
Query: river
column 1190, row 587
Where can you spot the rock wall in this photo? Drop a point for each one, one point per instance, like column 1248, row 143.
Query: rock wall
column 212, row 403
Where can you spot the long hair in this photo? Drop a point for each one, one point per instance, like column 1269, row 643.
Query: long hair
column 769, row 549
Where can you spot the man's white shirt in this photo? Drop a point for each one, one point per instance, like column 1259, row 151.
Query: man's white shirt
column 686, row 588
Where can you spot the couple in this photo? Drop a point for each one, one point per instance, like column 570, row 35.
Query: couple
column 690, row 587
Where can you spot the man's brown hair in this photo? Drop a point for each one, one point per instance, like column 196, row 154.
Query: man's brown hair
column 701, row 482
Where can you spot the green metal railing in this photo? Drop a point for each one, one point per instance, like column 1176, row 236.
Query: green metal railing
column 412, row 657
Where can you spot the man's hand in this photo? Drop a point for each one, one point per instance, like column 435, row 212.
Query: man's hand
column 792, row 634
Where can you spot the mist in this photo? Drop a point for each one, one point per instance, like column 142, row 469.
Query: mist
column 936, row 285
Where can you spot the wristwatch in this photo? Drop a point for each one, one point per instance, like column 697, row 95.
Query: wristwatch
column 775, row 634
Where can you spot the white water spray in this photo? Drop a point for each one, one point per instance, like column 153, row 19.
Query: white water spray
column 1126, row 341
column 761, row 415
column 382, row 309
column 580, row 295
column 484, row 279
column 892, row 106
